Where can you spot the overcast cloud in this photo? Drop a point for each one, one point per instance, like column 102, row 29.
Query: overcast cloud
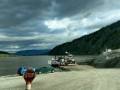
column 43, row 24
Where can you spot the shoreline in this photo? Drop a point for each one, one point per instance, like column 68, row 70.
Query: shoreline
column 80, row 77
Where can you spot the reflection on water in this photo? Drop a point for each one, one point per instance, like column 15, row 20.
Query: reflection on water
column 10, row 65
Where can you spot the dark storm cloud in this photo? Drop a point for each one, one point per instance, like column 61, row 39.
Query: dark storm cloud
column 71, row 7
column 25, row 30
column 14, row 13
column 17, row 12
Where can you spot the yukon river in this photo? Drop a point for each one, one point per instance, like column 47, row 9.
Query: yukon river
column 10, row 65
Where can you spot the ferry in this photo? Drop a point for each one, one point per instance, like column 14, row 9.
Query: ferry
column 63, row 61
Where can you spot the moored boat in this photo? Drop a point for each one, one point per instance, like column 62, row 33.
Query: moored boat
column 63, row 61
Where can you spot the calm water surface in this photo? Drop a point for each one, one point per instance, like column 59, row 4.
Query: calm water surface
column 10, row 65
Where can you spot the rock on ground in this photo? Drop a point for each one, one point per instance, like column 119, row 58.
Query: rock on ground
column 108, row 59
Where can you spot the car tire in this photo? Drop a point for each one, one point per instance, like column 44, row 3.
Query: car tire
column 20, row 74
column 39, row 72
column 52, row 71
column 23, row 73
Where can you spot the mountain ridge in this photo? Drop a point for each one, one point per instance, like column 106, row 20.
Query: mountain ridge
column 33, row 52
column 93, row 43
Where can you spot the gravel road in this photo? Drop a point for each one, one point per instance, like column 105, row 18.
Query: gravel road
column 81, row 77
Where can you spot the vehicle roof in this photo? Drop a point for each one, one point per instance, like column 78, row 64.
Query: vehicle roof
column 26, row 67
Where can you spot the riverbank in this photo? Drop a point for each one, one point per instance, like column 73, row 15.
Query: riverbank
column 80, row 77
column 104, row 60
column 9, row 55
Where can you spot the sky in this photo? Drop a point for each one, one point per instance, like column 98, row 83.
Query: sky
column 44, row 24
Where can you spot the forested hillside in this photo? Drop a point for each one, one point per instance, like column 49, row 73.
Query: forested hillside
column 2, row 52
column 92, row 44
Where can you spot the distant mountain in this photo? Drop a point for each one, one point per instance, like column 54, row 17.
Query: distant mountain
column 33, row 52
column 92, row 44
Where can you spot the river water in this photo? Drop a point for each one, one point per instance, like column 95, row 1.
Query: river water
column 10, row 65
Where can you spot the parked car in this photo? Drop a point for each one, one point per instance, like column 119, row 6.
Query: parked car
column 45, row 70
column 21, row 70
